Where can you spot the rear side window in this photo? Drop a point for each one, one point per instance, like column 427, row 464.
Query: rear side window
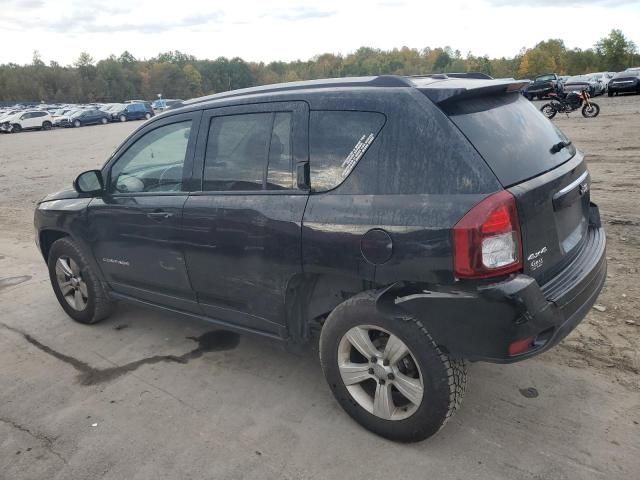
column 337, row 141
column 513, row 137
column 249, row 152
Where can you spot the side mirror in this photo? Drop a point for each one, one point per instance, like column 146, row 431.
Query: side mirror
column 89, row 182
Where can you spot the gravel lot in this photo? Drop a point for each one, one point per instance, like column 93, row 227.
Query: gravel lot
column 144, row 395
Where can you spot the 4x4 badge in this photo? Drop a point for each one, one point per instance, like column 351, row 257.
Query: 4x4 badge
column 535, row 255
column 536, row 259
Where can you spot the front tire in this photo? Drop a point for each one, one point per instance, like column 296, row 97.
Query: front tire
column 590, row 111
column 388, row 373
column 79, row 291
column 77, row 124
column 123, row 118
column 548, row 110
column 16, row 128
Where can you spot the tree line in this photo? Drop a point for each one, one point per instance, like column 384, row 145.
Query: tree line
column 179, row 75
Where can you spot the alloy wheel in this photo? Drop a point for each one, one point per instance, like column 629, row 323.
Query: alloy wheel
column 71, row 284
column 380, row 372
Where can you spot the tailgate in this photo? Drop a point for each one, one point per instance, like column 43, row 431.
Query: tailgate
column 538, row 164
column 554, row 216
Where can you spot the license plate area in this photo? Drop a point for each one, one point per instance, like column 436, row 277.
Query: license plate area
column 571, row 208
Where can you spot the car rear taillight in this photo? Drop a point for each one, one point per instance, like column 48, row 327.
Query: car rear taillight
column 487, row 240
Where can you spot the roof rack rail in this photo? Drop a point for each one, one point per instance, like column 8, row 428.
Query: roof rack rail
column 373, row 81
column 443, row 76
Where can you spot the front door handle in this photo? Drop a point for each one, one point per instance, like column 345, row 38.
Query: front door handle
column 159, row 215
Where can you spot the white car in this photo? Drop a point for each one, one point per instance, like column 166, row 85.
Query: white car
column 29, row 120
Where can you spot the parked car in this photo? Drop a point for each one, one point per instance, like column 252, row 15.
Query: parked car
column 65, row 119
column 82, row 118
column 6, row 114
column 404, row 219
column 543, row 85
column 603, row 79
column 59, row 113
column 27, row 120
column 131, row 111
column 164, row 104
column 625, row 82
column 577, row 83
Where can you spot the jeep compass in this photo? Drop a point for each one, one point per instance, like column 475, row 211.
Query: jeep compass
column 411, row 224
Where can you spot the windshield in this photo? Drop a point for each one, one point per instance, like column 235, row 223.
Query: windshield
column 513, row 137
column 545, row 78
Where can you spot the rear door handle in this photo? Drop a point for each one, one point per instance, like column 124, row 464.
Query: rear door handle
column 159, row 215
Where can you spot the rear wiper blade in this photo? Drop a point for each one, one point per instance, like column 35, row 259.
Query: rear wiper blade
column 559, row 146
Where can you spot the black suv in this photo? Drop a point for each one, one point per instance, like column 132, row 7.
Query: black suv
column 543, row 85
column 415, row 223
column 132, row 111
column 86, row 117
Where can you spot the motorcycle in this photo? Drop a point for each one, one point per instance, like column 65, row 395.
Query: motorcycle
column 571, row 102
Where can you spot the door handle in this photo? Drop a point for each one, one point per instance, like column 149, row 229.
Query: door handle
column 159, row 215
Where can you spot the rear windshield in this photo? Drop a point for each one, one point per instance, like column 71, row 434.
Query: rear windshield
column 514, row 138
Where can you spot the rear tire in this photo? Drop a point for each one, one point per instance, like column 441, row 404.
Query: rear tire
column 79, row 291
column 610, row 94
column 147, row 115
column 104, row 121
column 404, row 397
column 548, row 110
column 46, row 125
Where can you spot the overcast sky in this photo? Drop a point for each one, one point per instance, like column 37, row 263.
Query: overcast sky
column 265, row 30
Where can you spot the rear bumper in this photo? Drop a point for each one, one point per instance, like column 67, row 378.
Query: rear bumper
column 479, row 323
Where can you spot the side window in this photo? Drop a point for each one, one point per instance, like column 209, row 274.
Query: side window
column 236, row 153
column 154, row 162
column 337, row 141
column 280, row 168
column 26, row 116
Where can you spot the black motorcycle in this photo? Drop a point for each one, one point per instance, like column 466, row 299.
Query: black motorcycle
column 571, row 102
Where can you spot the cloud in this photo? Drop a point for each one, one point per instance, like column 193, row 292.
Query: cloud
column 300, row 13
column 88, row 19
column 30, row 4
column 565, row 3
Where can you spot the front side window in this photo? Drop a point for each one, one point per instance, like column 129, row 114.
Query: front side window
column 154, row 163
column 242, row 148
column 337, row 141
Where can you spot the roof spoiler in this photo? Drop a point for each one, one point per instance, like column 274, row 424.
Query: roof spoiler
column 440, row 92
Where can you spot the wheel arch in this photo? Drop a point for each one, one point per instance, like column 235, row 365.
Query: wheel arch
column 310, row 298
column 46, row 238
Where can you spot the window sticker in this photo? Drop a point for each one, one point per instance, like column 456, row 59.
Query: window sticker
column 356, row 154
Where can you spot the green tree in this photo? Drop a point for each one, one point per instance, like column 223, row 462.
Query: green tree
column 616, row 51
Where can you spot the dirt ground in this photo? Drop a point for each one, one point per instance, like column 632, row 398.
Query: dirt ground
column 144, row 395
